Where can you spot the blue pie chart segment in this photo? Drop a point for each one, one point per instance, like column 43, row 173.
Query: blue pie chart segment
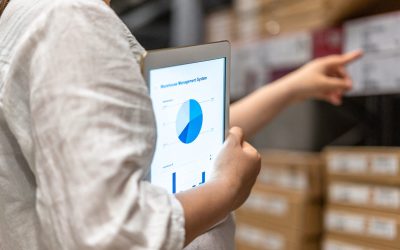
column 189, row 121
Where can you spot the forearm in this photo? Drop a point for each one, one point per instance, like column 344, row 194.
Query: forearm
column 204, row 207
column 256, row 110
column 324, row 79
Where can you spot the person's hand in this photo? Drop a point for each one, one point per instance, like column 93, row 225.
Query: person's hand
column 324, row 78
column 235, row 171
column 237, row 166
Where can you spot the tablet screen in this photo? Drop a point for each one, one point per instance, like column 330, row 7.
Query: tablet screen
column 189, row 105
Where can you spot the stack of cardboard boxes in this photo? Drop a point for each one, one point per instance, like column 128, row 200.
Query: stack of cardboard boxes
column 220, row 25
column 363, row 191
column 379, row 37
column 254, row 19
column 284, row 210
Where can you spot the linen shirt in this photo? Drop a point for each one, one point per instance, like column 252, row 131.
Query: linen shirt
column 77, row 136
column 77, row 133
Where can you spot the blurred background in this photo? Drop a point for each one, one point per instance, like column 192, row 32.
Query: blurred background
column 335, row 181
column 272, row 37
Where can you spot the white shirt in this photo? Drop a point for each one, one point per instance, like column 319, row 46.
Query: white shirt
column 77, row 136
column 77, row 133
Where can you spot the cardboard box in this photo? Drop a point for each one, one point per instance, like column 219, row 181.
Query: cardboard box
column 293, row 16
column 306, row 15
column 220, row 25
column 249, row 69
column 249, row 28
column 378, row 165
column 369, row 196
column 341, row 243
column 285, row 8
column 334, row 10
column 251, row 236
column 289, row 50
column 275, row 17
column 292, row 170
column 250, row 6
column 286, row 208
column 378, row 36
column 364, row 225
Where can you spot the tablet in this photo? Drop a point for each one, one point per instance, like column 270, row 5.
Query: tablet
column 189, row 89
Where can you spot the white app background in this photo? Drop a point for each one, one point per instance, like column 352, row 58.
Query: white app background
column 176, row 165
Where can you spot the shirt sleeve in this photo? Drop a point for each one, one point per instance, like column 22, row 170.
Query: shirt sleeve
column 221, row 237
column 93, row 136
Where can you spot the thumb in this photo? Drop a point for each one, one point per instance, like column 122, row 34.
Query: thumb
column 236, row 134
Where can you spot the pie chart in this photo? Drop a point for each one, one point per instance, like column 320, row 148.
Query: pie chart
column 189, row 121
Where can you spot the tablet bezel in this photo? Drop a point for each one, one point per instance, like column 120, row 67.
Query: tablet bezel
column 164, row 58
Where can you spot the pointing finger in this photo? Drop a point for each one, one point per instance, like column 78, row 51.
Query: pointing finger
column 340, row 60
column 351, row 56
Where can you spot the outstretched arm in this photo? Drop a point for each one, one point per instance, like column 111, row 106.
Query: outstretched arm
column 324, row 78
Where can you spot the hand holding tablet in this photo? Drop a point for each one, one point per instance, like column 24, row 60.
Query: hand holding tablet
column 189, row 91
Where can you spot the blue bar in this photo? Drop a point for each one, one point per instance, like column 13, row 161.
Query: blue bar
column 174, row 183
column 203, row 178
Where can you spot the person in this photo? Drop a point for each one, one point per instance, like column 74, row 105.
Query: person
column 77, row 135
